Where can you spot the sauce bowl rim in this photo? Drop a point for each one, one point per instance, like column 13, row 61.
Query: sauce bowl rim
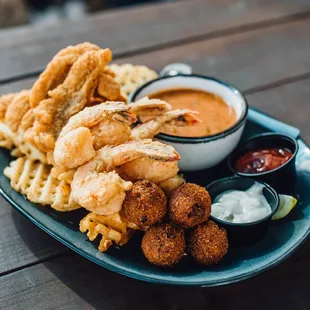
column 232, row 157
column 267, row 186
column 203, row 139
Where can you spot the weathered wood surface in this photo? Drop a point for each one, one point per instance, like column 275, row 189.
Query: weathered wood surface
column 16, row 233
column 247, row 60
column 262, row 48
column 71, row 282
column 26, row 50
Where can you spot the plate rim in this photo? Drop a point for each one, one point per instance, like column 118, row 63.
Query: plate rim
column 146, row 278
column 149, row 279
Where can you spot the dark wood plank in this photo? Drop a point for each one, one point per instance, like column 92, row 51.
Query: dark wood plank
column 246, row 60
column 289, row 103
column 28, row 49
column 21, row 242
column 72, row 282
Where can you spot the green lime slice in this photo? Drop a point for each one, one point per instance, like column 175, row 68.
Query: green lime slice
column 287, row 203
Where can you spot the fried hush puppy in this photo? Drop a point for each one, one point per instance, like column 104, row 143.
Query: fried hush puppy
column 208, row 243
column 145, row 204
column 189, row 205
column 163, row 244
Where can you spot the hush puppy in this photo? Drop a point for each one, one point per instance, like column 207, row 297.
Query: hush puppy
column 189, row 205
column 163, row 244
column 145, row 204
column 208, row 243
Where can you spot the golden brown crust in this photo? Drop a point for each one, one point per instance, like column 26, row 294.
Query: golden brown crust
column 17, row 109
column 208, row 243
column 189, row 205
column 112, row 229
column 57, row 70
column 5, row 101
column 67, row 99
column 163, row 244
column 145, row 204
column 109, row 88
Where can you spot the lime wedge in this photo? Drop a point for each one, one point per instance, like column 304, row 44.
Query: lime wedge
column 287, row 203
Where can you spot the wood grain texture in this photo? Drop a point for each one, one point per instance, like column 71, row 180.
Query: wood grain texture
column 74, row 283
column 289, row 103
column 28, row 49
column 21, row 242
column 246, row 60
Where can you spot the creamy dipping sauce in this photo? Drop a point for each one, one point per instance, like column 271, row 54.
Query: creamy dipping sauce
column 215, row 114
column 241, row 206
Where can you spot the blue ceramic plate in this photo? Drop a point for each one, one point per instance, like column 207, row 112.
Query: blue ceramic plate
column 283, row 237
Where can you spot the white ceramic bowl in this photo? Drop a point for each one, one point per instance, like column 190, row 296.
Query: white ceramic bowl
column 201, row 152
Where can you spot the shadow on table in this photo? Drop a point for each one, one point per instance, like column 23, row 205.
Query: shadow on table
column 285, row 286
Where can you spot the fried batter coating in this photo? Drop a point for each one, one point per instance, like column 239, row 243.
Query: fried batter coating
column 149, row 169
column 149, row 129
column 163, row 244
column 95, row 185
column 169, row 185
column 145, row 204
column 57, row 70
column 17, row 109
column 208, row 243
column 67, row 99
column 108, row 87
column 190, row 205
column 5, row 101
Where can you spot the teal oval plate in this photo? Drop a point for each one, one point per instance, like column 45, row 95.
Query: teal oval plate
column 283, row 237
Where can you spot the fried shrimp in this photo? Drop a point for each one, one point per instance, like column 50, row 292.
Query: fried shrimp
column 95, row 127
column 148, row 169
column 152, row 127
column 57, row 70
column 145, row 204
column 189, row 205
column 208, row 243
column 149, row 107
column 90, row 130
column 67, row 99
column 163, row 244
column 170, row 184
column 97, row 188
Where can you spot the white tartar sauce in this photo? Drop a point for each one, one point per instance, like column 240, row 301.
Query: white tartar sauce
column 241, row 206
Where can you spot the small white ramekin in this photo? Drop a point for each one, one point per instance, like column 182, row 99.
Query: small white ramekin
column 201, row 152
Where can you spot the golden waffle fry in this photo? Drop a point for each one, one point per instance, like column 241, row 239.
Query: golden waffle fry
column 34, row 179
column 112, row 228
column 14, row 141
column 130, row 77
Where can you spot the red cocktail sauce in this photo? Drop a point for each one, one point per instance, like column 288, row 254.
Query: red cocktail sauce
column 262, row 160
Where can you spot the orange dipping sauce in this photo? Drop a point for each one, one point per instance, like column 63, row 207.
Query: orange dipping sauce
column 215, row 114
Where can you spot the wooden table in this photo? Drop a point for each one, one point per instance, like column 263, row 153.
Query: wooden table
column 263, row 49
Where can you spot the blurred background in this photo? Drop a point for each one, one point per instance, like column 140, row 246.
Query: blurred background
column 18, row 12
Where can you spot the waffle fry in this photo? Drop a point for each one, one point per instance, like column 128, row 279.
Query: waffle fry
column 111, row 228
column 34, row 180
column 131, row 77
column 15, row 142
